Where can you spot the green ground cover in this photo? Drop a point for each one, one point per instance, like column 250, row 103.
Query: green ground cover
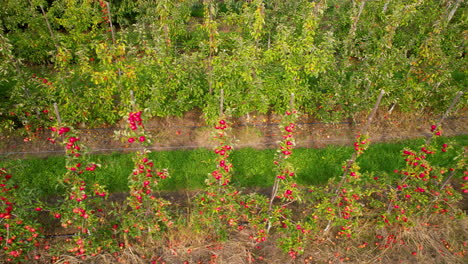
column 252, row 167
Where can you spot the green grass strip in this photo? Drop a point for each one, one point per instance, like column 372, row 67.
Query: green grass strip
column 252, row 167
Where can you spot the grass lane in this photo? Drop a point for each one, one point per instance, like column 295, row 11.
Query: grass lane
column 252, row 167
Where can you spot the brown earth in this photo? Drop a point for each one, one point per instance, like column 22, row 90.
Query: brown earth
column 255, row 130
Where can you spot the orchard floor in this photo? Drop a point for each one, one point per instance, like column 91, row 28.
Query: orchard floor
column 434, row 239
column 431, row 240
column 257, row 131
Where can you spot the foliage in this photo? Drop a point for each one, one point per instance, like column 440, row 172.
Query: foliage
column 222, row 207
column 178, row 55
column 86, row 56
column 19, row 232
column 147, row 215
column 82, row 208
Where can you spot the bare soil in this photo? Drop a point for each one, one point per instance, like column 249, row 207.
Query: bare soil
column 256, row 131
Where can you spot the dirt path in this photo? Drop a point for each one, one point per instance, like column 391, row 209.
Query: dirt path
column 257, row 131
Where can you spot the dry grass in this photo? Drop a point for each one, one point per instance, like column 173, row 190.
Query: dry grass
column 435, row 239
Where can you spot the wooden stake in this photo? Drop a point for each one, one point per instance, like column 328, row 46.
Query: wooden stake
column 210, row 73
column 452, row 12
column 384, row 9
column 276, row 184
column 48, row 26
column 110, row 22
column 351, row 161
column 374, row 111
column 47, row 23
column 428, row 141
column 447, row 180
column 221, row 103
column 445, row 115
column 57, row 114
column 449, row 109
column 59, row 120
column 132, row 99
column 291, row 102
column 354, row 156
column 352, row 31
column 209, row 8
